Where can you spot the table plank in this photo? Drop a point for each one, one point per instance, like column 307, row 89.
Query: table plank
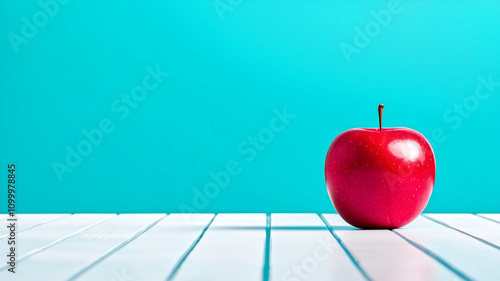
column 463, row 254
column 495, row 217
column 27, row 221
column 231, row 249
column 385, row 256
column 303, row 248
column 478, row 227
column 164, row 244
column 62, row 260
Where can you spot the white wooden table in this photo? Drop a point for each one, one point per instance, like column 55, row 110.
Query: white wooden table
column 240, row 247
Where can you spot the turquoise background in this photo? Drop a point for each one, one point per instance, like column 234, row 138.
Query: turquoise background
column 227, row 73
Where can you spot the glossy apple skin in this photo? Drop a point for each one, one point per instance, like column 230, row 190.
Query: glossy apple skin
column 380, row 179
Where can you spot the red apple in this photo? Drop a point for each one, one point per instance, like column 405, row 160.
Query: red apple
column 380, row 178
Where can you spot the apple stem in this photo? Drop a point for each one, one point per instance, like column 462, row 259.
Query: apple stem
column 380, row 109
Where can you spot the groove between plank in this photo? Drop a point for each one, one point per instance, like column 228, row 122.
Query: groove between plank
column 116, row 248
column 188, row 251
column 265, row 275
column 434, row 256
column 351, row 257
column 461, row 231
column 486, row 218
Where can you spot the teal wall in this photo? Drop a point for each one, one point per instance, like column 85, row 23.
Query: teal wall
column 181, row 90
